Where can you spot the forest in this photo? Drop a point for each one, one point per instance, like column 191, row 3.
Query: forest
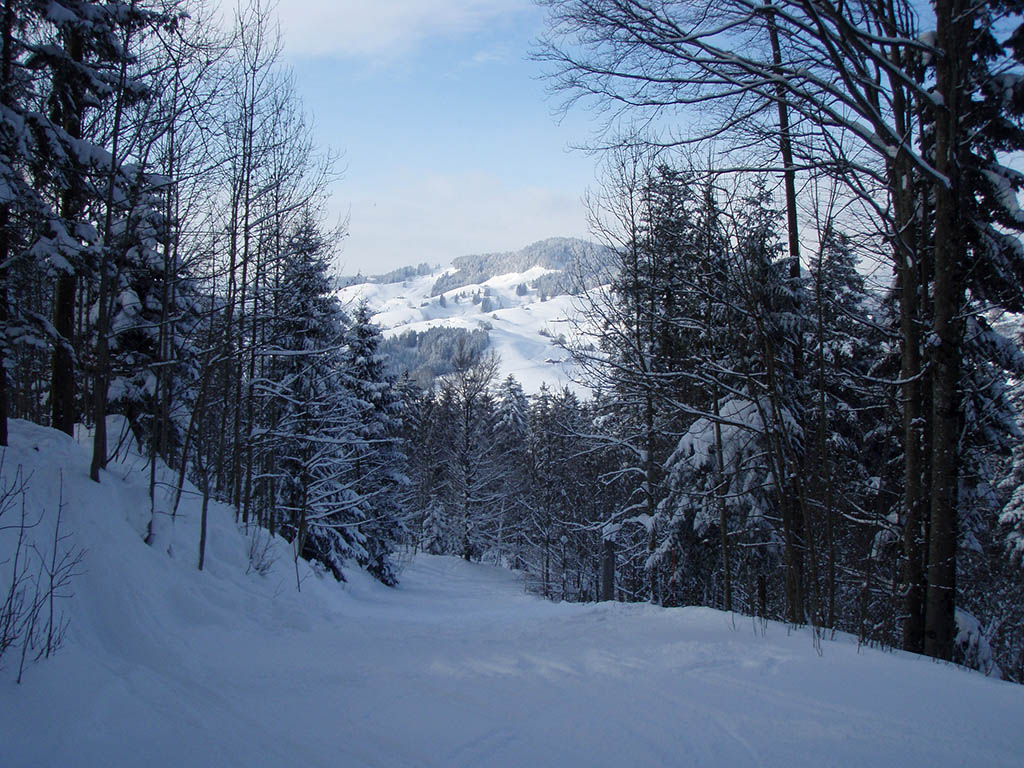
column 802, row 351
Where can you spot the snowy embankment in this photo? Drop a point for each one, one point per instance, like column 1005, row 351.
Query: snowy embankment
column 167, row 666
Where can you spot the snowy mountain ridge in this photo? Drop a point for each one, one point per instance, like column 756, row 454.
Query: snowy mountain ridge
column 557, row 254
column 521, row 299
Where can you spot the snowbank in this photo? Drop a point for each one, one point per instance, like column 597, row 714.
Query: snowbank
column 167, row 666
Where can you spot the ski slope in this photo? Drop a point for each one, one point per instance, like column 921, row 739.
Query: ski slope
column 168, row 666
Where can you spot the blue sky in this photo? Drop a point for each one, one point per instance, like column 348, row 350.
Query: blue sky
column 449, row 142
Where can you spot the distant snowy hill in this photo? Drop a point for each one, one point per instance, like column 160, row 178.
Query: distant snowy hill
column 521, row 300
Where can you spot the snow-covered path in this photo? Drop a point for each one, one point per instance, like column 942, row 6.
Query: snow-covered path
column 459, row 668
column 167, row 666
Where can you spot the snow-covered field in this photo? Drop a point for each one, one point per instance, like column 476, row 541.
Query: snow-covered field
column 167, row 666
column 521, row 327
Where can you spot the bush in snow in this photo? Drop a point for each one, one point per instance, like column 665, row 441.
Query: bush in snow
column 36, row 570
column 972, row 645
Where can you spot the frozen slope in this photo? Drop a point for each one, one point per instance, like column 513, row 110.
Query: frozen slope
column 166, row 666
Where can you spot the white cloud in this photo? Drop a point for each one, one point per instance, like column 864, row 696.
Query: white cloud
column 491, row 55
column 382, row 28
column 438, row 217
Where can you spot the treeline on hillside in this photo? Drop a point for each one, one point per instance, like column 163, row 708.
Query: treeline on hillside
column 423, row 356
column 163, row 256
column 559, row 253
column 743, row 448
column 883, row 132
column 399, row 275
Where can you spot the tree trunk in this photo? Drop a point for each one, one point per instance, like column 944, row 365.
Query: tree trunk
column 202, row 519
column 108, row 282
column 5, row 251
column 722, row 506
column 62, row 385
column 952, row 20
column 6, row 99
column 607, row 569
column 650, row 469
column 914, row 501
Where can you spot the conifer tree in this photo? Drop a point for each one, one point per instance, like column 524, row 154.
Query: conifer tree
column 379, row 459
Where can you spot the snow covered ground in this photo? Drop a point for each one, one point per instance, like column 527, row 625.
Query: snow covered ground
column 167, row 666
